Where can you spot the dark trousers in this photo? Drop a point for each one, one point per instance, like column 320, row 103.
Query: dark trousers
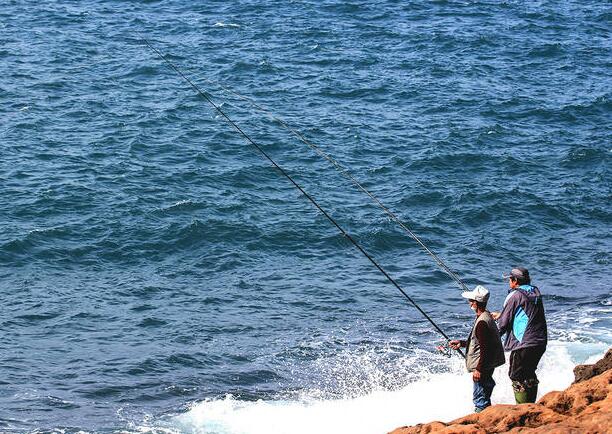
column 524, row 362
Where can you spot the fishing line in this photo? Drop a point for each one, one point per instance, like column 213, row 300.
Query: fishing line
column 308, row 196
column 350, row 177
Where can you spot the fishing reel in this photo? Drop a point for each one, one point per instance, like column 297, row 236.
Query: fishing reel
column 445, row 349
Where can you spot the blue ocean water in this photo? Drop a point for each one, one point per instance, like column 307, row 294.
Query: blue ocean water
column 158, row 275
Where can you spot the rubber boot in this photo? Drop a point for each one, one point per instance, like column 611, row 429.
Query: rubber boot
column 521, row 397
column 532, row 393
column 525, row 392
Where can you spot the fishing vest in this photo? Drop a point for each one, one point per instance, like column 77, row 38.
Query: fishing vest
column 496, row 358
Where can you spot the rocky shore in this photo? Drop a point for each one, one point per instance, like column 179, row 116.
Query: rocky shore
column 584, row 407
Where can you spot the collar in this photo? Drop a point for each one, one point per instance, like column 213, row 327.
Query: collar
column 527, row 288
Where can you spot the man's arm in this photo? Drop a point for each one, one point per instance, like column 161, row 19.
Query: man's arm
column 504, row 321
column 483, row 334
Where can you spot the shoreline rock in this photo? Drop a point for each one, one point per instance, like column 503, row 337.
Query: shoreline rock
column 585, row 372
column 584, row 407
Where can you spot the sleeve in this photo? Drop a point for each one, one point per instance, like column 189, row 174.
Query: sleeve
column 483, row 335
column 504, row 322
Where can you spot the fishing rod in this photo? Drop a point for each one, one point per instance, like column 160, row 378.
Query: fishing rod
column 344, row 172
column 295, row 184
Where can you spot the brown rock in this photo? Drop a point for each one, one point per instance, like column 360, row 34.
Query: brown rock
column 584, row 372
column 578, row 397
column 583, row 408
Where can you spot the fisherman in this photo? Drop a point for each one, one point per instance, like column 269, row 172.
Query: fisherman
column 522, row 320
column 484, row 348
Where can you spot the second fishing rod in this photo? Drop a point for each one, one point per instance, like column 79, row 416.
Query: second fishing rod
column 296, row 185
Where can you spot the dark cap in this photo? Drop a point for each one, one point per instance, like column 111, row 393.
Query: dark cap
column 519, row 273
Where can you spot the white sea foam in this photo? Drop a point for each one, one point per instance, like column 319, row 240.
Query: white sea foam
column 379, row 411
column 222, row 24
column 179, row 204
column 442, row 396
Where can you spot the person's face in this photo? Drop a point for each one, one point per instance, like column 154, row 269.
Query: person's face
column 513, row 283
column 473, row 305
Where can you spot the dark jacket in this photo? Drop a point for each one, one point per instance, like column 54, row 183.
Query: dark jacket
column 522, row 319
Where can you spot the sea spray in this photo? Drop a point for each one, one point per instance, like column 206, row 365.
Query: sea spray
column 434, row 396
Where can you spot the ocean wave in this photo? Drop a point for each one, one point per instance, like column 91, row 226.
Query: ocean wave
column 547, row 50
column 585, row 155
column 185, row 205
column 230, row 25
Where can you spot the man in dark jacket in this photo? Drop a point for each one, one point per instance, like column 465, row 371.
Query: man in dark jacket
column 523, row 322
column 484, row 348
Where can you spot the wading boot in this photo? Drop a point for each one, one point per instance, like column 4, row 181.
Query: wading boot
column 525, row 391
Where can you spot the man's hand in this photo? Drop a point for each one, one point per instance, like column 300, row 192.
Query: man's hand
column 455, row 344
column 495, row 315
column 476, row 375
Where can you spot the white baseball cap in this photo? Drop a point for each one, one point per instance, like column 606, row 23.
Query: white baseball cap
column 480, row 294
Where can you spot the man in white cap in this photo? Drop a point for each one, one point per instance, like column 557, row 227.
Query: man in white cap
column 484, row 348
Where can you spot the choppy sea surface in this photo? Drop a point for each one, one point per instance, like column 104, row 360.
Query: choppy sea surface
column 158, row 275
